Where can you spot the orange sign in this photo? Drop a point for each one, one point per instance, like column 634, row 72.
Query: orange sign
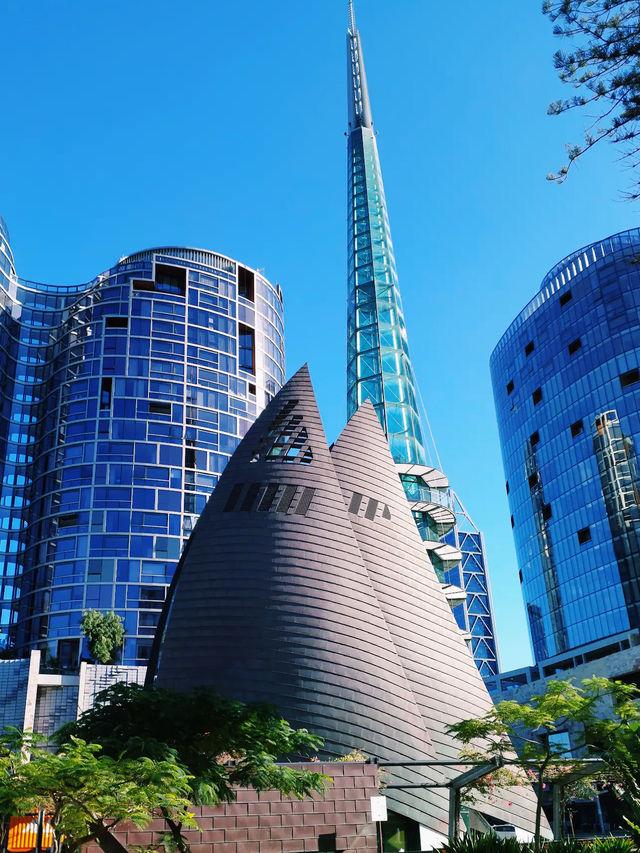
column 23, row 834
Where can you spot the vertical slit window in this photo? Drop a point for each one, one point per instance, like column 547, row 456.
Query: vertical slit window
column 268, row 498
column 246, row 348
column 246, row 284
column 250, row 497
column 105, row 393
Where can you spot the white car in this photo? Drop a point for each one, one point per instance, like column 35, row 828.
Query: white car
column 504, row 830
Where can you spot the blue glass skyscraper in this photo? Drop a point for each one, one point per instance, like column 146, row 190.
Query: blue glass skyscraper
column 566, row 380
column 379, row 368
column 121, row 401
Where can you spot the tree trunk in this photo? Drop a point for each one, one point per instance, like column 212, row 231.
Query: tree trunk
column 108, row 842
column 541, row 772
column 175, row 829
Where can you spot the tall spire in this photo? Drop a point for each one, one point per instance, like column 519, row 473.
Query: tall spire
column 379, row 367
column 352, row 17
column 359, row 107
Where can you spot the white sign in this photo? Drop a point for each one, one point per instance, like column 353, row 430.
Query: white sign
column 378, row 808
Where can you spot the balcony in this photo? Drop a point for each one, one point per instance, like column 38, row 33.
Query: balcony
column 436, row 503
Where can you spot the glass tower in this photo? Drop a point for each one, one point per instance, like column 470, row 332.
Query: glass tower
column 378, row 365
column 566, row 380
column 121, row 402
column 379, row 368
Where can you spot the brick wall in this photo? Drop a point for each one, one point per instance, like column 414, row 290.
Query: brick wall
column 271, row 823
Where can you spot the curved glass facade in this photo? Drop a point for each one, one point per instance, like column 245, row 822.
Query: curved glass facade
column 122, row 401
column 566, row 380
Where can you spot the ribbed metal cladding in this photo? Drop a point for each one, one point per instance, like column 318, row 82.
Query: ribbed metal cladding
column 325, row 612
column 440, row 668
column 277, row 606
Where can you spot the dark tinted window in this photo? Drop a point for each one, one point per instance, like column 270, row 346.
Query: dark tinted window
column 584, row 535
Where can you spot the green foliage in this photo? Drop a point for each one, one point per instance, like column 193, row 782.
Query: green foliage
column 218, row 742
column 88, row 793
column 484, row 844
column 104, row 632
column 567, row 845
column 493, row 844
column 612, row 737
column 602, row 66
column 355, row 755
column 611, row 845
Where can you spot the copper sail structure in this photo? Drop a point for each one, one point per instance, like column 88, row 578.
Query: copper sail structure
column 379, row 369
column 303, row 584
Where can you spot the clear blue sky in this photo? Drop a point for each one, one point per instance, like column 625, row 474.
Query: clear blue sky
column 221, row 125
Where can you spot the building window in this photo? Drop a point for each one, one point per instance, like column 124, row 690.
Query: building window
column 116, row 322
column 246, row 348
column 246, row 284
column 534, row 479
column 534, row 438
column 566, row 297
column 105, row 393
column 576, row 428
column 584, row 535
column 630, row 377
column 574, row 346
column 546, row 512
column 510, row 386
column 156, row 408
column 513, row 524
column 506, row 485
column 142, row 284
column 529, row 348
column 537, row 396
column 171, row 279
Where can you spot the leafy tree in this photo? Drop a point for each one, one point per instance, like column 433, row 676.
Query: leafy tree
column 603, row 65
column 218, row 742
column 616, row 739
column 88, row 794
column 12, row 744
column 105, row 634
column 563, row 706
